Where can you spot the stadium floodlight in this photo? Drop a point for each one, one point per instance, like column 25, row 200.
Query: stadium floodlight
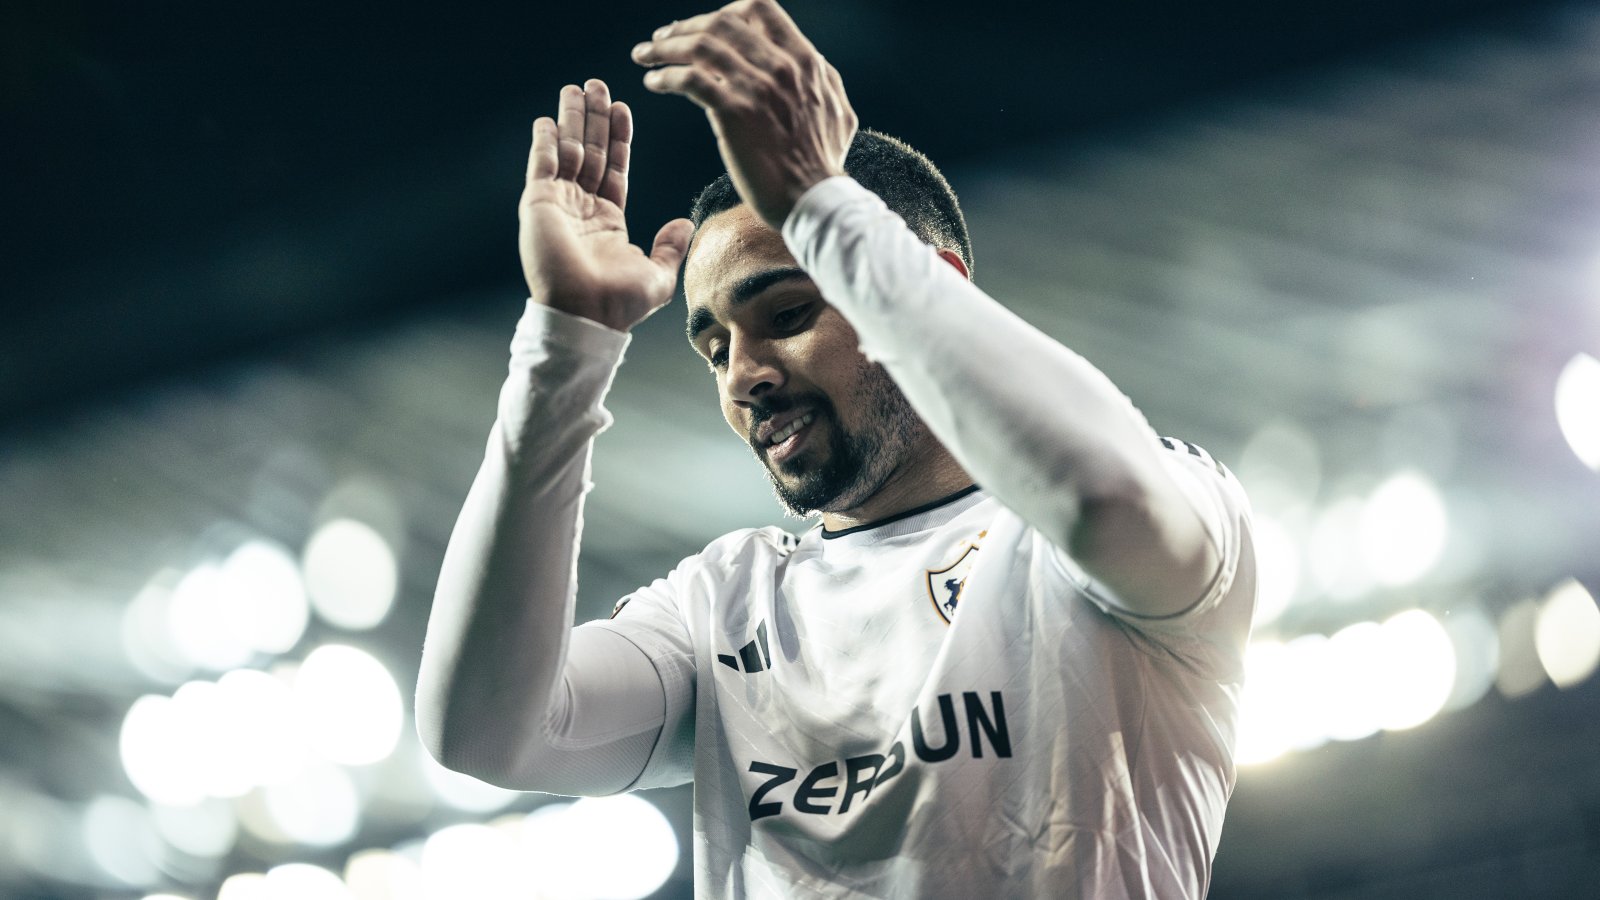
column 351, row 574
column 1403, row 528
column 1421, row 669
column 350, row 706
column 1578, row 407
column 1277, row 568
column 1567, row 634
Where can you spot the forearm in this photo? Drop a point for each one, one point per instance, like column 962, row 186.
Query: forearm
column 1033, row 422
column 1028, row 418
column 491, row 693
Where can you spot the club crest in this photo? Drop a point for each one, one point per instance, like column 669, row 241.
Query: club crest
column 945, row 585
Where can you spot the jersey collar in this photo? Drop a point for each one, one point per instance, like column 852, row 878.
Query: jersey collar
column 900, row 516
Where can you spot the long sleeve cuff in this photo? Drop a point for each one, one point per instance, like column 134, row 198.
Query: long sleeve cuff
column 844, row 278
column 564, row 364
column 542, row 326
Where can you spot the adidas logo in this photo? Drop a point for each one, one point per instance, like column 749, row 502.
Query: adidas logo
column 1182, row 446
column 755, row 656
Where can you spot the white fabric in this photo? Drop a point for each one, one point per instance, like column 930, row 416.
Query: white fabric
column 1092, row 747
column 1091, row 759
column 500, row 694
column 1031, row 420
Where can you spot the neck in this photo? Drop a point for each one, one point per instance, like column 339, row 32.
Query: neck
column 921, row 479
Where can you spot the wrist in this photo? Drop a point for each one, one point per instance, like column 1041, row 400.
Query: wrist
column 801, row 187
column 545, row 326
column 588, row 312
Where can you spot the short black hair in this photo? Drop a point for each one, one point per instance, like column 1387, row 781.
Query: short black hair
column 906, row 180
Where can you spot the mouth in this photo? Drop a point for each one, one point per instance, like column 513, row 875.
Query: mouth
column 784, row 442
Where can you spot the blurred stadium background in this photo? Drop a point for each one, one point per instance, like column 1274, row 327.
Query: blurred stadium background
column 260, row 274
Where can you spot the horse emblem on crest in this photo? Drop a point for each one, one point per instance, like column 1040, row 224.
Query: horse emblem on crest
column 946, row 585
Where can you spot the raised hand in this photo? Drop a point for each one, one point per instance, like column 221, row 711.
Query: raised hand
column 574, row 241
column 782, row 120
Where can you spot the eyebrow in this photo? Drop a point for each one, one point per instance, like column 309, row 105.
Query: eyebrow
column 745, row 290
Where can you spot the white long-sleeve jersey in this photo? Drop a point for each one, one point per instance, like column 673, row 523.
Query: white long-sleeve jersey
column 942, row 704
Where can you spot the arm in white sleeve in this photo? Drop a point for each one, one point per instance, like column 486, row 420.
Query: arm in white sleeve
column 503, row 694
column 1033, row 422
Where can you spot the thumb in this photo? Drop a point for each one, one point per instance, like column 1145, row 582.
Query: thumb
column 672, row 244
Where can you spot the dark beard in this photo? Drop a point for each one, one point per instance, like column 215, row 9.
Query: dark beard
column 858, row 463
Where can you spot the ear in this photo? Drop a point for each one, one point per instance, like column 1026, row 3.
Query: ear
column 954, row 259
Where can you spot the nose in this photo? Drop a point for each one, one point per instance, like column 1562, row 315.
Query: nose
column 752, row 371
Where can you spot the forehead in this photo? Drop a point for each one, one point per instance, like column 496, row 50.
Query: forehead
column 729, row 247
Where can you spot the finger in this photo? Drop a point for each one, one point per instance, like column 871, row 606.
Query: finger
column 672, row 244
column 745, row 58
column 728, row 33
column 693, row 82
column 685, row 26
column 569, row 132
column 542, row 155
column 715, row 22
column 596, row 134
column 614, row 186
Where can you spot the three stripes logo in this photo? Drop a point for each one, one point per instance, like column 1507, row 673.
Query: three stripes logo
column 1182, row 446
column 754, row 656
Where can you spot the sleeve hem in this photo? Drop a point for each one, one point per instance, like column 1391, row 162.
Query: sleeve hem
column 814, row 208
column 543, row 325
column 1220, row 531
column 673, row 711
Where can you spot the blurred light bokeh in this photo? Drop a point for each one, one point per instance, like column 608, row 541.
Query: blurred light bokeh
column 1366, row 284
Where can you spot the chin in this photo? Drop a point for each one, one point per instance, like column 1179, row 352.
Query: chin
column 792, row 472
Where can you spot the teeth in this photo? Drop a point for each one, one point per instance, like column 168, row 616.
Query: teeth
column 789, row 430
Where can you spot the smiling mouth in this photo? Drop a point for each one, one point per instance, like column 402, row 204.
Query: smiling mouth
column 791, row 429
column 786, row 442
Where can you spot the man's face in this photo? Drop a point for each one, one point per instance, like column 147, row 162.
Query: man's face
column 787, row 367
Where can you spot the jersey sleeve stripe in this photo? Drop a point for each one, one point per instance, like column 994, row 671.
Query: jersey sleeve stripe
column 1178, row 445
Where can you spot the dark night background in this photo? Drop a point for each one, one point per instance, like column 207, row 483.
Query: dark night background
column 186, row 180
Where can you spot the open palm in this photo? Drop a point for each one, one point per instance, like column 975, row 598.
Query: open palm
column 574, row 240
